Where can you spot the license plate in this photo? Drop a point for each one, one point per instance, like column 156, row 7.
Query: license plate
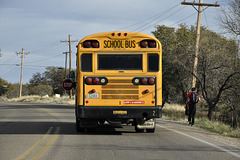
column 119, row 112
column 93, row 96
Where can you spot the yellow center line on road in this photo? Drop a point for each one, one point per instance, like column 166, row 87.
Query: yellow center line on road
column 35, row 146
column 47, row 146
column 49, row 112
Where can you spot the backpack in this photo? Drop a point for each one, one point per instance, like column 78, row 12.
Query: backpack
column 194, row 98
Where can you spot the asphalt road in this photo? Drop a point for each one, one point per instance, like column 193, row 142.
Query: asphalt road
column 47, row 131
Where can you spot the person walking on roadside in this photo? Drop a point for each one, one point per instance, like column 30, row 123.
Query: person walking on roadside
column 192, row 99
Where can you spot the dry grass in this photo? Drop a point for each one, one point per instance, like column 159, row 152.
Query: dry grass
column 39, row 99
column 176, row 107
column 174, row 112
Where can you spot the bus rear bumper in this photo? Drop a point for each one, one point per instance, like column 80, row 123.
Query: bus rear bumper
column 113, row 112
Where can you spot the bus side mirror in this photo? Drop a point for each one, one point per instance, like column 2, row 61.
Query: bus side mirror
column 72, row 75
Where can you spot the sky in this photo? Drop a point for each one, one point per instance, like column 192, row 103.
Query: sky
column 39, row 26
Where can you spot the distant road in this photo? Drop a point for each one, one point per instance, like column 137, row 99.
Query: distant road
column 47, row 132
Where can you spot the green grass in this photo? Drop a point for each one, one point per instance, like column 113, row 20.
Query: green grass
column 217, row 127
column 177, row 113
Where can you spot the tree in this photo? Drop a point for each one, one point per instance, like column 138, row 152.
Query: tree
column 215, row 70
column 177, row 55
column 216, row 67
column 232, row 100
column 53, row 76
column 40, row 89
column 230, row 21
column 37, row 79
column 4, row 86
column 230, row 18
column 168, row 39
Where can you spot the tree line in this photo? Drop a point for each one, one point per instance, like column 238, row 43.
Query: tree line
column 46, row 83
column 218, row 78
column 218, row 75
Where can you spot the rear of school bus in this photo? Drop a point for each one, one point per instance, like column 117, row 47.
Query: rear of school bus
column 119, row 79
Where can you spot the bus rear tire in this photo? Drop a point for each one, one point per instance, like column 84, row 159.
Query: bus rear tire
column 78, row 127
column 150, row 130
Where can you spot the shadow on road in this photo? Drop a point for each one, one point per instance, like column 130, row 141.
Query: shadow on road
column 66, row 128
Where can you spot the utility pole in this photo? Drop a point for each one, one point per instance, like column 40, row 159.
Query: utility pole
column 65, row 64
column 70, row 57
column 20, row 90
column 199, row 10
column 65, row 76
column 0, row 52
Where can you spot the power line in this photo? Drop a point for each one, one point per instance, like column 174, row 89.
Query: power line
column 10, row 59
column 183, row 19
column 8, row 72
column 156, row 16
column 205, row 19
column 199, row 10
column 44, row 59
column 163, row 19
column 43, row 47
column 36, row 59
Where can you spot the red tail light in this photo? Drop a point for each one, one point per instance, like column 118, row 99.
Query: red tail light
column 144, row 80
column 151, row 81
column 125, row 34
column 88, row 80
column 93, row 90
column 95, row 81
column 113, row 34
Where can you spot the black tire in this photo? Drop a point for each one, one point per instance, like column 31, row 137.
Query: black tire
column 91, row 129
column 151, row 130
column 78, row 127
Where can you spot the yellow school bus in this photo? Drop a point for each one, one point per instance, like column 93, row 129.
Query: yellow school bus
column 119, row 80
